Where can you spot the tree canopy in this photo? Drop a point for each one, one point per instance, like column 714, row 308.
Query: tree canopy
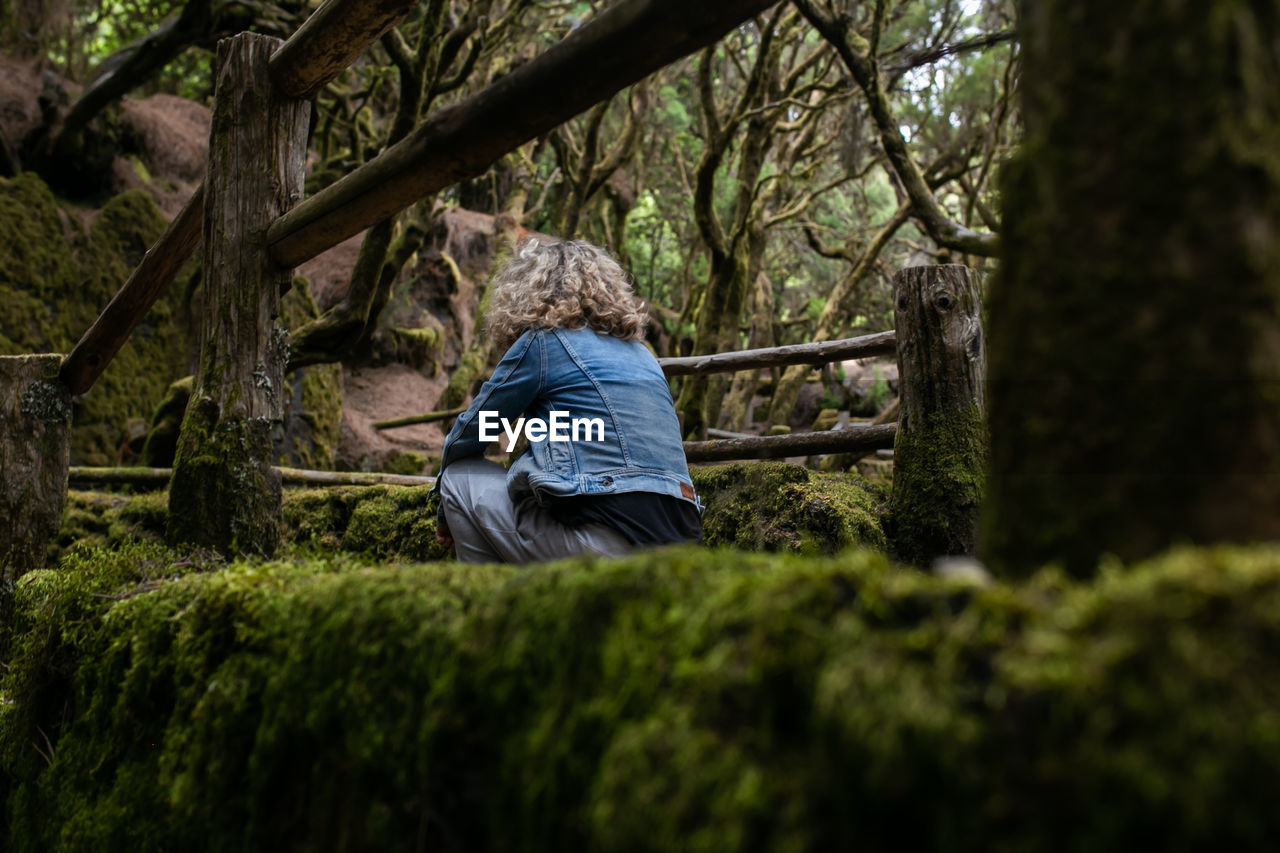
column 760, row 191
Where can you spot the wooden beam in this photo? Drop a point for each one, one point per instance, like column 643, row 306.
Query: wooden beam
column 620, row 45
column 823, row 352
column 327, row 42
column 796, row 444
column 429, row 417
column 336, row 32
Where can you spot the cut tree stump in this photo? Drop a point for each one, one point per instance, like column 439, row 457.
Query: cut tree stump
column 35, row 447
column 225, row 494
column 940, row 449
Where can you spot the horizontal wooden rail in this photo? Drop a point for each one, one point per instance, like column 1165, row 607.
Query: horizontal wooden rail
column 796, row 444
column 158, row 478
column 822, row 352
column 328, row 41
column 338, row 31
column 621, row 44
column 97, row 346
column 429, row 417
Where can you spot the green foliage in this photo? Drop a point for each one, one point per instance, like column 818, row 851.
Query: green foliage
column 675, row 699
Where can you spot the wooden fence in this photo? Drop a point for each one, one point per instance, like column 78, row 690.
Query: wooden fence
column 223, row 491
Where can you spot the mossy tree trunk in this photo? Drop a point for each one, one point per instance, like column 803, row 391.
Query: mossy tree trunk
column 35, row 450
column 224, row 493
column 940, row 452
column 1135, row 367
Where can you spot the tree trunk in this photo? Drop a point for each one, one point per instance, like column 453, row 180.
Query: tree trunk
column 35, row 447
column 224, row 493
column 940, row 452
column 1135, row 394
column 878, row 437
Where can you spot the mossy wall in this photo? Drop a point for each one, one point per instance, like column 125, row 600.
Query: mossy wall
column 678, row 699
column 774, row 506
column 56, row 276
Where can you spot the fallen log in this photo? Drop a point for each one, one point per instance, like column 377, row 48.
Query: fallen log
column 823, row 352
column 429, row 417
column 796, row 444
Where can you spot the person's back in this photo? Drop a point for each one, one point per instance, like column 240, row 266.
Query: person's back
column 605, row 468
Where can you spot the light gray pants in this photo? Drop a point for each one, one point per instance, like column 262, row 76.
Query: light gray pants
column 488, row 528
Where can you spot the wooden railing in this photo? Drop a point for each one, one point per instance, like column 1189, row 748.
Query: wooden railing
column 222, row 477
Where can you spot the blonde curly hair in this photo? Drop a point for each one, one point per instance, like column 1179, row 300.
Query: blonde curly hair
column 565, row 284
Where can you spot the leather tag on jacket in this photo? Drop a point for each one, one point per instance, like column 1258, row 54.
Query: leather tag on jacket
column 686, row 490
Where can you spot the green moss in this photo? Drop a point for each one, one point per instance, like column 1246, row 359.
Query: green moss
column 406, row 462
column 418, row 346
column 321, row 408
column 162, row 431
column 769, row 506
column 224, row 493
column 773, row 506
column 469, row 369
column 677, row 699
column 939, row 475
column 55, row 278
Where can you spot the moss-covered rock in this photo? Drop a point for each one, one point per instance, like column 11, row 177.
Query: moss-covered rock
column 55, row 276
column 677, row 699
column 377, row 522
column 162, row 434
column 408, row 462
column 774, row 506
column 766, row 506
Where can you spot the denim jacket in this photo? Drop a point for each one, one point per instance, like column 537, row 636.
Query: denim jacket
column 588, row 376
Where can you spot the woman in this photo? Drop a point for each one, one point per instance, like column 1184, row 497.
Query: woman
column 605, row 470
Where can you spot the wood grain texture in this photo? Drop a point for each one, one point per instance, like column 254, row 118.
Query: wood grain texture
column 797, row 444
column 224, row 493
column 35, row 447
column 940, row 448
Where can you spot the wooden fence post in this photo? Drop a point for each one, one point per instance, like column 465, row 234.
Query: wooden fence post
column 224, row 493
column 35, row 447
column 939, row 459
